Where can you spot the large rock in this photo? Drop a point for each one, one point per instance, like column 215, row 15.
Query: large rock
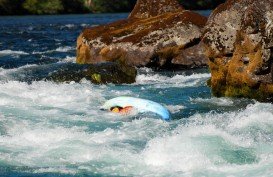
column 191, row 57
column 155, row 33
column 239, row 39
column 102, row 73
column 147, row 8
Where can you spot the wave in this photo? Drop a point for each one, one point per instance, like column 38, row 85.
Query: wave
column 68, row 26
column 46, row 123
column 8, row 74
column 65, row 49
column 175, row 108
column 50, row 127
column 214, row 101
column 12, row 52
column 208, row 142
column 160, row 81
column 217, row 144
column 68, row 59
column 59, row 49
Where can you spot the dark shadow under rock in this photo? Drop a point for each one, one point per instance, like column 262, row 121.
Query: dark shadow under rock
column 102, row 73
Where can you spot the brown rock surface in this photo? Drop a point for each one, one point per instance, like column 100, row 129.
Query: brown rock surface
column 192, row 57
column 156, row 32
column 152, row 8
column 238, row 40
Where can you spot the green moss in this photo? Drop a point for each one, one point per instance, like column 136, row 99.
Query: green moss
column 43, row 7
column 115, row 73
column 243, row 91
column 209, row 82
column 98, row 73
column 17, row 7
column 96, row 78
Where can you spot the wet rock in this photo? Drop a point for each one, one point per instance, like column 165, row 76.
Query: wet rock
column 192, row 57
column 102, row 73
column 238, row 39
column 155, row 33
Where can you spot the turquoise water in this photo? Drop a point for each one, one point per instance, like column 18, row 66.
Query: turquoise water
column 52, row 129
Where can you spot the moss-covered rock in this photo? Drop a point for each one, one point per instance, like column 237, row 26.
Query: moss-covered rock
column 115, row 73
column 102, row 73
column 239, row 39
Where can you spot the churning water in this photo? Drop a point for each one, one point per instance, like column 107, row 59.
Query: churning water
column 57, row 129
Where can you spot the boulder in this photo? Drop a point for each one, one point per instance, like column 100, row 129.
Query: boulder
column 238, row 40
column 192, row 57
column 156, row 33
column 102, row 73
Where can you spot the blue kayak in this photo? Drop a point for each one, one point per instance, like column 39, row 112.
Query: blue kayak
column 141, row 105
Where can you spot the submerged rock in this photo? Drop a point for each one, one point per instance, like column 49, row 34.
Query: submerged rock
column 239, row 39
column 157, row 33
column 102, row 73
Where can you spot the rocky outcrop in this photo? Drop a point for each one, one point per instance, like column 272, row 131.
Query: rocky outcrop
column 239, row 40
column 102, row 73
column 157, row 33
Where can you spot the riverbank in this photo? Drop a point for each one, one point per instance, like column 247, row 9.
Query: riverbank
column 34, row 7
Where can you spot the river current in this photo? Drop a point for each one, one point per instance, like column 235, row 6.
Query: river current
column 57, row 129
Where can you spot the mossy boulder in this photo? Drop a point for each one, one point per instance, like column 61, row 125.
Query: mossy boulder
column 238, row 40
column 155, row 33
column 115, row 73
column 102, row 73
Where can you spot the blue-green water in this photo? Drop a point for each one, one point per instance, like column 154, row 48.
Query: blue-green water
column 53, row 129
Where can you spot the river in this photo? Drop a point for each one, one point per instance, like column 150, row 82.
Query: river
column 57, row 129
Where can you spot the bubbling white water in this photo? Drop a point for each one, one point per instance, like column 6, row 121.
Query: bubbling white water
column 52, row 127
column 177, row 81
column 12, row 53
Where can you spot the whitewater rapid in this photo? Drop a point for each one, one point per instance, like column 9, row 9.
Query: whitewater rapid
column 57, row 129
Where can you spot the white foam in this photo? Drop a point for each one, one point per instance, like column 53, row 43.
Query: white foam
column 12, row 52
column 7, row 74
column 84, row 25
column 160, row 81
column 175, row 108
column 59, row 49
column 259, row 114
column 197, row 146
column 68, row 26
column 51, row 127
column 62, row 170
column 68, row 59
column 174, row 153
column 214, row 101
column 65, row 49
column 44, row 52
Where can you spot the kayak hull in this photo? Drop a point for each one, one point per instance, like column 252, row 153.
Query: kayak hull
column 141, row 105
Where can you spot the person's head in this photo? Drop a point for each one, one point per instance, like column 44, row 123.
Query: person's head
column 116, row 109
